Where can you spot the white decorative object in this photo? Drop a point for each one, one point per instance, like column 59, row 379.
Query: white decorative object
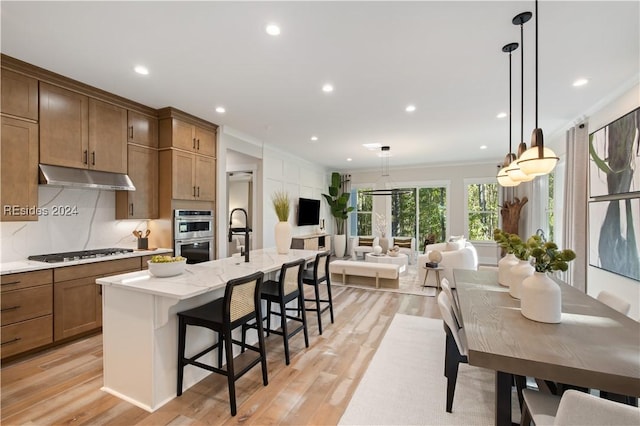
column 393, row 251
column 435, row 256
column 504, row 269
column 541, row 299
column 377, row 250
column 283, row 237
column 340, row 242
column 166, row 269
column 517, row 274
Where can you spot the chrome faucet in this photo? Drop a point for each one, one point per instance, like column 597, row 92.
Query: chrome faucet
column 246, row 230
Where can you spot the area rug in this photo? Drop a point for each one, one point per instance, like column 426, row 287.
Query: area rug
column 405, row 385
column 409, row 284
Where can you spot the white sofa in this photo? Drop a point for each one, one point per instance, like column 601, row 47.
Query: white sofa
column 360, row 250
column 452, row 258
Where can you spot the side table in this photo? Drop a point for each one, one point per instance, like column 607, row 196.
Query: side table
column 437, row 270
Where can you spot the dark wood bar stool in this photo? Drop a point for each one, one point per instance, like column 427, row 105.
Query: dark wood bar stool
column 287, row 289
column 318, row 275
column 240, row 304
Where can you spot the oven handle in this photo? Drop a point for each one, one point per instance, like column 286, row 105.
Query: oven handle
column 194, row 240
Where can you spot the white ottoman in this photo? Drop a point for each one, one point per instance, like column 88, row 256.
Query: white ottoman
column 401, row 260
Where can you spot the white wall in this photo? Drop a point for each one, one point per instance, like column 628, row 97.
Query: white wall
column 454, row 176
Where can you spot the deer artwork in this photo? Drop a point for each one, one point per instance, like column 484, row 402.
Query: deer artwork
column 510, row 212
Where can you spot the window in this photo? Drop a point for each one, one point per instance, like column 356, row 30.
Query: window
column 432, row 208
column 361, row 221
column 482, row 209
column 550, row 206
column 403, row 213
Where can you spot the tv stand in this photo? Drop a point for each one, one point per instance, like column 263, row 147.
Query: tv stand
column 311, row 242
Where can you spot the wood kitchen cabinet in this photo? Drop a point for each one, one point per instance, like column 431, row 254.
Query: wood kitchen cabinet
column 192, row 176
column 142, row 129
column 189, row 137
column 26, row 312
column 19, row 95
column 77, row 304
column 81, row 132
column 19, row 169
column 143, row 171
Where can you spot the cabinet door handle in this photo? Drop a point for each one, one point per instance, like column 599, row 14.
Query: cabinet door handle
column 198, row 144
column 93, row 158
column 12, row 283
column 194, row 143
column 198, row 192
column 11, row 341
column 131, row 132
column 194, row 191
column 131, row 209
column 12, row 308
column 86, row 157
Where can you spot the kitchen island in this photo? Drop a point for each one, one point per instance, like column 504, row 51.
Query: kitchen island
column 140, row 323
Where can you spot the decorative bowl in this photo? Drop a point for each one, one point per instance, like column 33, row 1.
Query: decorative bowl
column 394, row 251
column 166, row 269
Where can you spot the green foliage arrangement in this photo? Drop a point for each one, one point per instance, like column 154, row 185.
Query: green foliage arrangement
column 546, row 255
column 338, row 202
column 281, row 205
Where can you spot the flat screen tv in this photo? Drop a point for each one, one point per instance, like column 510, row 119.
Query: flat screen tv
column 308, row 212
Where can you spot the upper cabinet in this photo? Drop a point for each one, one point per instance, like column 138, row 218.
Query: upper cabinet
column 143, row 171
column 142, row 129
column 19, row 95
column 183, row 131
column 81, row 132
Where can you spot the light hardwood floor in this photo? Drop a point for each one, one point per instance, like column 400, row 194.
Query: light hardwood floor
column 62, row 386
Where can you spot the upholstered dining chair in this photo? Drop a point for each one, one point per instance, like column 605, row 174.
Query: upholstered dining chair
column 446, row 287
column 614, row 302
column 575, row 408
column 240, row 304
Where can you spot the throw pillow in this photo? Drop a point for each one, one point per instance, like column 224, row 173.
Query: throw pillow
column 455, row 245
column 402, row 242
column 365, row 241
column 456, row 238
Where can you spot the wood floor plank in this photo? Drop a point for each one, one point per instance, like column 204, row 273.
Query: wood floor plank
column 62, row 385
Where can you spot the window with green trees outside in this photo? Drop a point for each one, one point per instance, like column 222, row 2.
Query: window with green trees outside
column 482, row 210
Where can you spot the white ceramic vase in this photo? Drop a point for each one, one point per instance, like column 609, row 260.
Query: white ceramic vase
column 384, row 244
column 541, row 299
column 504, row 269
column 517, row 274
column 283, row 237
column 339, row 244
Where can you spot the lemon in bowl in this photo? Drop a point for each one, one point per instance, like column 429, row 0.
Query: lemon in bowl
column 166, row 266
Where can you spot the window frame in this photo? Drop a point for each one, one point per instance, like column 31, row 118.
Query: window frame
column 480, row 181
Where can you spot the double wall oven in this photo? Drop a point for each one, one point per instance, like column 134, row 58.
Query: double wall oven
column 193, row 235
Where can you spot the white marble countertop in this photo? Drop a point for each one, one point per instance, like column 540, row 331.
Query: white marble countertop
column 32, row 265
column 207, row 276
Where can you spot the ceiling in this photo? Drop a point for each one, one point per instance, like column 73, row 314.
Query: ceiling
column 443, row 57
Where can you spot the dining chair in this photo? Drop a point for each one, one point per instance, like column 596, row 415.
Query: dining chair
column 286, row 289
column 614, row 302
column 240, row 304
column 575, row 408
column 315, row 277
column 446, row 287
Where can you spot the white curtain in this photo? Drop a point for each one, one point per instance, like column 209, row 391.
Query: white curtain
column 575, row 204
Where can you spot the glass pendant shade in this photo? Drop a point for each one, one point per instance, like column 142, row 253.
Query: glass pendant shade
column 532, row 164
column 504, row 179
column 516, row 174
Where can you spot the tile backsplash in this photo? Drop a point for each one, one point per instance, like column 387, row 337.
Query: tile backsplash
column 76, row 219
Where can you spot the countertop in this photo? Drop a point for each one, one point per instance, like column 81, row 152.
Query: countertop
column 32, row 265
column 207, row 276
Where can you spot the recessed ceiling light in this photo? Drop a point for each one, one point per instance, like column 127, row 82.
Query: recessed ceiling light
column 410, row 108
column 273, row 29
column 580, row 82
column 372, row 146
column 314, row 138
column 141, row 70
column 349, row 159
column 483, row 147
column 220, row 110
column 327, row 88
column 501, row 115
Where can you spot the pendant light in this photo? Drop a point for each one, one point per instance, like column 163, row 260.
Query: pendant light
column 385, row 185
column 503, row 177
column 537, row 160
column 513, row 170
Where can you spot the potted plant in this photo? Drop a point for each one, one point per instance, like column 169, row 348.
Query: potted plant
column 339, row 204
column 520, row 270
column 541, row 298
column 508, row 261
column 281, row 204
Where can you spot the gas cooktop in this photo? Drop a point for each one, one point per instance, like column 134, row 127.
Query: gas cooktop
column 77, row 255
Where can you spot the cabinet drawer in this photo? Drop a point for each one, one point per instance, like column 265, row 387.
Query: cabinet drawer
column 25, row 280
column 26, row 335
column 110, row 267
column 21, row 305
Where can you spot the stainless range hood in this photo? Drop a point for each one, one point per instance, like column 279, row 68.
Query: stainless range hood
column 83, row 178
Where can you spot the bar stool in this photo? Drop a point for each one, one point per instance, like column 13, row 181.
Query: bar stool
column 286, row 289
column 315, row 277
column 240, row 304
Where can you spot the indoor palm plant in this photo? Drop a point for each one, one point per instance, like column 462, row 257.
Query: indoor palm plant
column 282, row 205
column 339, row 204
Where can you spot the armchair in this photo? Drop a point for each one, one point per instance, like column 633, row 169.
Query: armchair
column 454, row 256
column 407, row 246
column 361, row 245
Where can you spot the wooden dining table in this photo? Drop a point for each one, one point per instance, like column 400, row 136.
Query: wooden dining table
column 594, row 346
